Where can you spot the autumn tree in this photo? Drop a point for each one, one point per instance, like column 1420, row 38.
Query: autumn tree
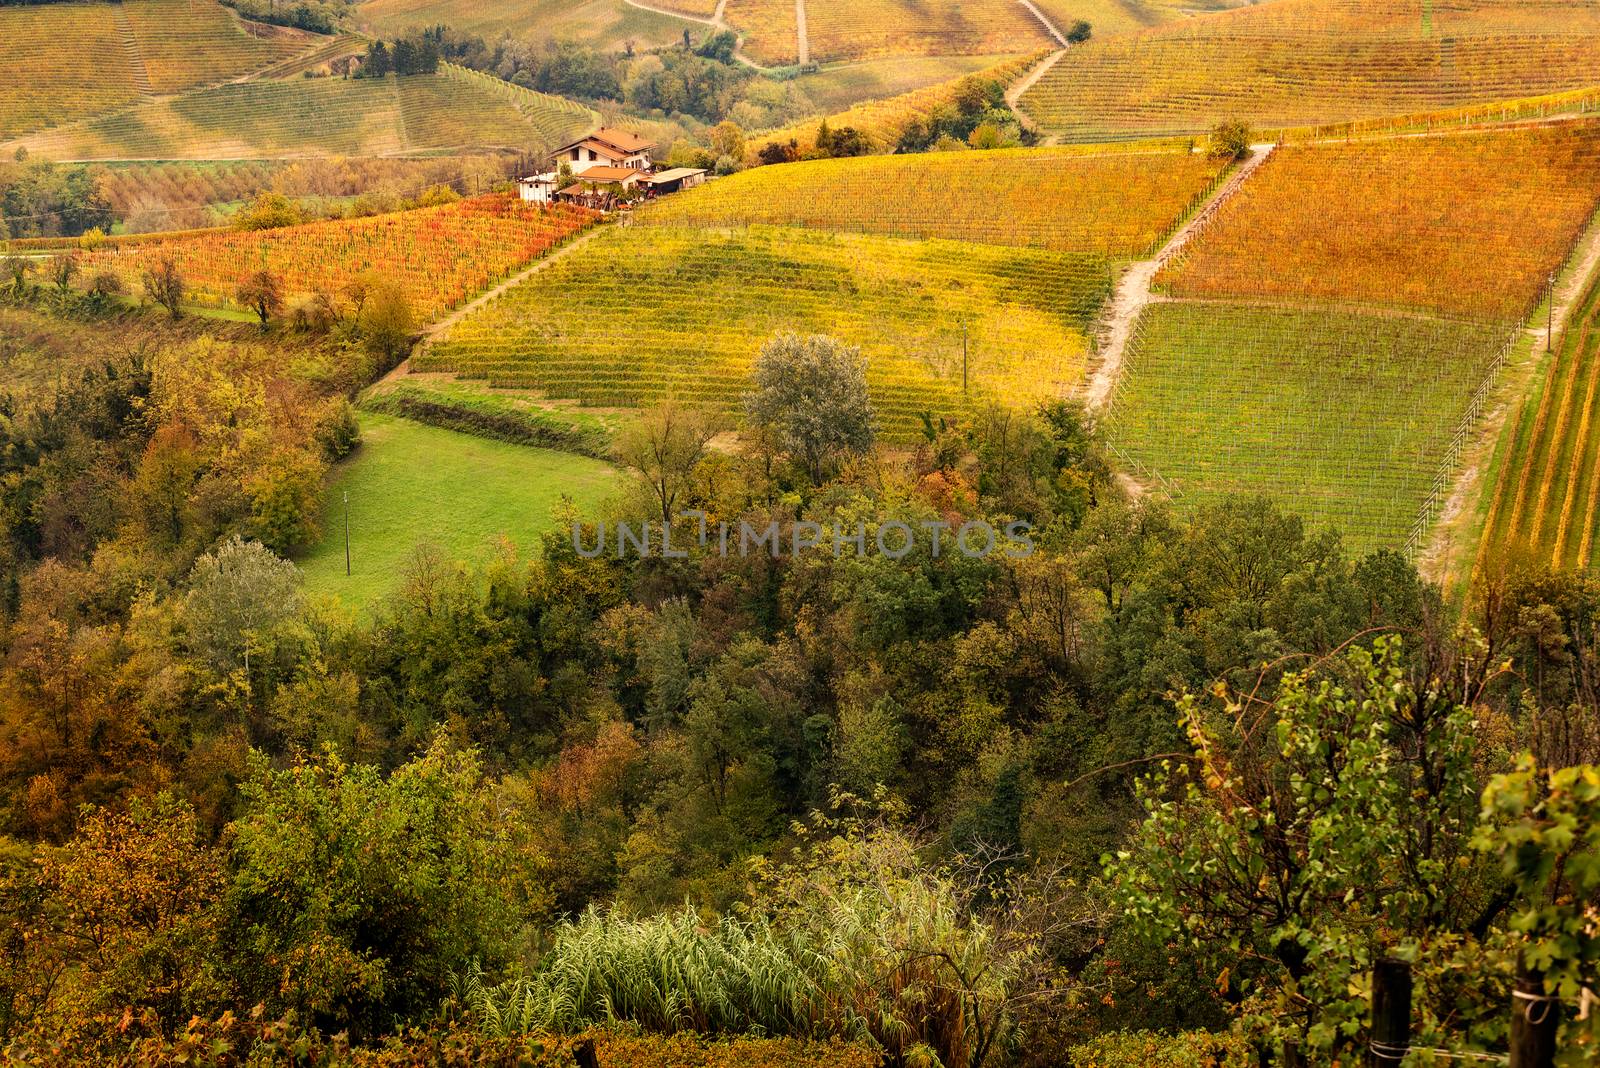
column 262, row 293
column 63, row 268
column 165, row 285
column 664, row 448
column 387, row 322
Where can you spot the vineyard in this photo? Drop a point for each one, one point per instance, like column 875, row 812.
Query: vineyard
column 169, row 196
column 70, row 61
column 185, row 43
column 439, row 256
column 1117, row 204
column 867, row 29
column 844, row 85
column 1309, row 62
column 1468, row 225
column 1343, row 417
column 608, row 25
column 882, row 121
column 768, row 29
column 1546, row 499
column 326, row 116
column 639, row 314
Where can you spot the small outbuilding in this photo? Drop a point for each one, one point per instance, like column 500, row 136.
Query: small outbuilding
column 675, row 180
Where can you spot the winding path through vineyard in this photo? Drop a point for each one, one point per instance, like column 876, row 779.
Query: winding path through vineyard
column 481, row 301
column 1014, row 94
column 1133, row 290
column 716, row 22
column 1440, row 558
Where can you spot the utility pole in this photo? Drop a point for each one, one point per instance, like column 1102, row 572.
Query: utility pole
column 346, row 533
column 1550, row 327
column 963, row 357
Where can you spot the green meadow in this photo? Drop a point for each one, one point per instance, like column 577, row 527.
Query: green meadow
column 412, row 485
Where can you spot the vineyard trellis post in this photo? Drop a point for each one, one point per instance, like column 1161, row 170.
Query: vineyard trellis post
column 1535, row 1018
column 1391, row 1013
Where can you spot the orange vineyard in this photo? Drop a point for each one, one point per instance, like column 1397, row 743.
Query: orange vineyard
column 440, row 256
column 1468, row 225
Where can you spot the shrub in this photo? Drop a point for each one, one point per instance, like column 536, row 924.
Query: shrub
column 1144, row 1049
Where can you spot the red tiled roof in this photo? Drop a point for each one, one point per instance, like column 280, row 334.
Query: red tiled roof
column 607, row 174
column 622, row 139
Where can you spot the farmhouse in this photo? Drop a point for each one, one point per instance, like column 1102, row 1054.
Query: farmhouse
column 606, row 147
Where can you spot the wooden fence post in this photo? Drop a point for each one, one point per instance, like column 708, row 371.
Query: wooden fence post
column 1534, row 1021
column 1391, row 1013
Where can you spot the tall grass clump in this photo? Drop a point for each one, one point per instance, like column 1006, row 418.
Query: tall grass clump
column 857, row 938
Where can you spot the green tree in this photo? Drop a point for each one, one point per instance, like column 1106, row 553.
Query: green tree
column 19, row 267
column 237, row 594
column 1230, row 140
column 812, row 392
column 268, row 211
column 1544, row 827
column 1308, row 837
column 355, row 897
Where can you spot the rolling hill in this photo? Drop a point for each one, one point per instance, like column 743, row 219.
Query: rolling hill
column 70, row 60
column 451, row 110
column 1331, row 337
column 1310, row 62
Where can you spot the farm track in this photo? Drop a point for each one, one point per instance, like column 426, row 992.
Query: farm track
column 1557, row 440
column 716, row 22
column 483, row 299
column 1456, row 550
column 1015, row 93
column 802, row 34
column 1050, row 27
column 1133, row 293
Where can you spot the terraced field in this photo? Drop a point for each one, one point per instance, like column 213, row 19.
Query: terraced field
column 768, row 28
column 643, row 313
column 69, row 60
column 839, row 86
column 439, row 256
column 1344, row 417
column 1309, row 62
column 867, row 29
column 1467, row 225
column 608, row 25
column 324, row 116
column 1545, row 502
column 1120, row 204
column 185, row 43
column 882, row 121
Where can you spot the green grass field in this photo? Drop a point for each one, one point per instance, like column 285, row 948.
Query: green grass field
column 1345, row 418
column 411, row 485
